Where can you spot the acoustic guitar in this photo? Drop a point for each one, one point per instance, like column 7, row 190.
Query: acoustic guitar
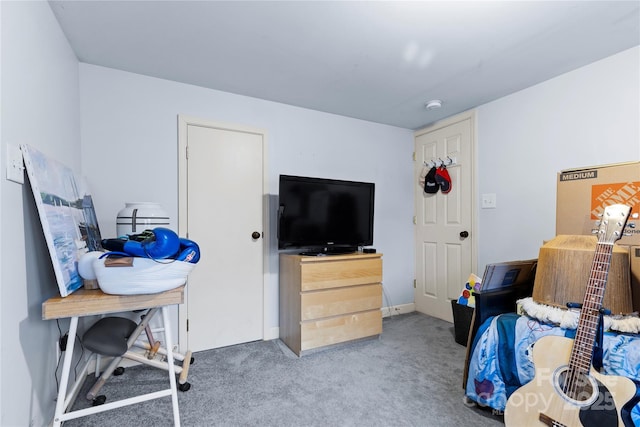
column 566, row 390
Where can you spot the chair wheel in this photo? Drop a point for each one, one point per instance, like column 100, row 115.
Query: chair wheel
column 118, row 371
column 184, row 387
column 99, row 400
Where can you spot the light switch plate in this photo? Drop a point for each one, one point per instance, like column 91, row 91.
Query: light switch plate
column 489, row 201
column 15, row 165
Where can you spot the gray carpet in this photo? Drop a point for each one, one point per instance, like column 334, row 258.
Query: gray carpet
column 410, row 376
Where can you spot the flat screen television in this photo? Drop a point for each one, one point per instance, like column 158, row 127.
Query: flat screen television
column 324, row 215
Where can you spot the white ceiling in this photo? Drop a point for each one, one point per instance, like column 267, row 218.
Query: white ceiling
column 378, row 61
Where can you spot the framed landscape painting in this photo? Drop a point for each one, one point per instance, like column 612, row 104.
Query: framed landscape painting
column 63, row 209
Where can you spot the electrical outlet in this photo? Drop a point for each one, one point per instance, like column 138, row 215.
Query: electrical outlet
column 15, row 165
column 489, row 201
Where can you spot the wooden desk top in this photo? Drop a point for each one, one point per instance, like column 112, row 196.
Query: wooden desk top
column 88, row 302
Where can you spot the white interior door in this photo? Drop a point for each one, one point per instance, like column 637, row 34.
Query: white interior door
column 222, row 210
column 444, row 256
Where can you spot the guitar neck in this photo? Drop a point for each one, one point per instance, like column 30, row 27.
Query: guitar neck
column 582, row 353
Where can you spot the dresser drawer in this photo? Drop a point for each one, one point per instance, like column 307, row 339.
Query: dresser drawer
column 336, row 274
column 333, row 302
column 334, row 330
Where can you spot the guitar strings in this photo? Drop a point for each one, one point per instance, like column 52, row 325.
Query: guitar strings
column 576, row 384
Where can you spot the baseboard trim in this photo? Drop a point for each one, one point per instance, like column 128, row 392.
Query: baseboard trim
column 272, row 333
column 398, row 309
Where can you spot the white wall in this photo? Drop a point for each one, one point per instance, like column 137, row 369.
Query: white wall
column 586, row 117
column 129, row 153
column 40, row 107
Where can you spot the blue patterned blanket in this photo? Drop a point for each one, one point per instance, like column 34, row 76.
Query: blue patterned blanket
column 500, row 358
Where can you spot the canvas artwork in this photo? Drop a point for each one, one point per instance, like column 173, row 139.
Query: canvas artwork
column 67, row 215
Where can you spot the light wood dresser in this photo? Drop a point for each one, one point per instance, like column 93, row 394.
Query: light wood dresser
column 327, row 300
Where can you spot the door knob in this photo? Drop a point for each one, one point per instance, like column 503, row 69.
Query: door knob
column 255, row 235
column 464, row 234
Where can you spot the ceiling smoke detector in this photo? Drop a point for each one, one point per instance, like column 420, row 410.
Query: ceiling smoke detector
column 433, row 105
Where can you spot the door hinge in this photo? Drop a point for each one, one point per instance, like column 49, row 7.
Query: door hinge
column 415, row 219
column 186, row 152
column 414, row 283
column 414, row 156
column 187, row 325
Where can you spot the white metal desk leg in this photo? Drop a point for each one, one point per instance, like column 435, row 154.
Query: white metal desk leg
column 66, row 369
column 172, row 374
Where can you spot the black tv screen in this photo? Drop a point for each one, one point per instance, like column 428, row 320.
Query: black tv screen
column 326, row 215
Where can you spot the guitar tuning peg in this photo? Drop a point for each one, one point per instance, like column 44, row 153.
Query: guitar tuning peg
column 594, row 231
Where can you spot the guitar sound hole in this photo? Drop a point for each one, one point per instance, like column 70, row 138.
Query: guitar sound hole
column 576, row 387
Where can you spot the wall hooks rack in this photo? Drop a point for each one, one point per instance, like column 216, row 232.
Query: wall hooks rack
column 433, row 163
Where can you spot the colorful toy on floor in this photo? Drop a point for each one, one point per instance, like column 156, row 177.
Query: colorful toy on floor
column 467, row 296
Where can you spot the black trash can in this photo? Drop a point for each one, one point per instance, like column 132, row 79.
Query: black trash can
column 462, row 315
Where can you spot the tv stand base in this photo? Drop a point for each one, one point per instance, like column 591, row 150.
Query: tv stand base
column 326, row 300
column 341, row 250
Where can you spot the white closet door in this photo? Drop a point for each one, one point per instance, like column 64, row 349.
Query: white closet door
column 224, row 215
column 444, row 235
